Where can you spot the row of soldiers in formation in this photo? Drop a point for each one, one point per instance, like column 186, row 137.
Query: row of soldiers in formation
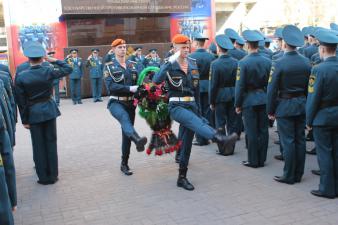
column 250, row 90
column 294, row 86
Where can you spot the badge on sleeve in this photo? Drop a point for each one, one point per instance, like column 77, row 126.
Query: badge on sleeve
column 1, row 163
column 311, row 83
column 238, row 76
column 194, row 72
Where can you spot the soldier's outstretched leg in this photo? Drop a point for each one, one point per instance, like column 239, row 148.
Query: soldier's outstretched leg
column 190, row 120
column 123, row 115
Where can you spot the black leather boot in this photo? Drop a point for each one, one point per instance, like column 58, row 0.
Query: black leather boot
column 182, row 180
column 140, row 142
column 226, row 144
column 125, row 168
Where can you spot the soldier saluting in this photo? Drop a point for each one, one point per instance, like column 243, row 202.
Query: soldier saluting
column 38, row 110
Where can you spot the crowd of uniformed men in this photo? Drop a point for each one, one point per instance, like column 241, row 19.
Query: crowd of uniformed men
column 215, row 93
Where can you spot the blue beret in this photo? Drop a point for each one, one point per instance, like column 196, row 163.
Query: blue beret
column 231, row 33
column 325, row 36
column 224, row 42
column 293, row 36
column 252, row 36
column 240, row 41
column 278, row 33
column 334, row 26
column 34, row 50
column 212, row 47
column 95, row 49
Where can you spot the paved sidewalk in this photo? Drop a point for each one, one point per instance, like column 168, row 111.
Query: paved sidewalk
column 92, row 190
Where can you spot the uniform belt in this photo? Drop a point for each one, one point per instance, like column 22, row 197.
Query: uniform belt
column 125, row 98
column 35, row 101
column 291, row 95
column 327, row 104
column 182, row 99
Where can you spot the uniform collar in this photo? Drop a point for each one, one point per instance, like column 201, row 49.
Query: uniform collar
column 116, row 63
column 291, row 53
column 255, row 54
column 201, row 50
column 224, row 56
column 331, row 59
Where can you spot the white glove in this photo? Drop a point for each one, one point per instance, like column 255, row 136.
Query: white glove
column 133, row 89
column 175, row 56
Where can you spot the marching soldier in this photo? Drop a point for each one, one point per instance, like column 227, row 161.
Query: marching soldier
column 181, row 74
column 33, row 90
column 152, row 59
column 6, row 216
column 56, row 84
column 250, row 99
column 222, row 88
column 95, row 65
column 203, row 61
column 76, row 76
column 322, row 113
column 120, row 79
column 286, row 102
